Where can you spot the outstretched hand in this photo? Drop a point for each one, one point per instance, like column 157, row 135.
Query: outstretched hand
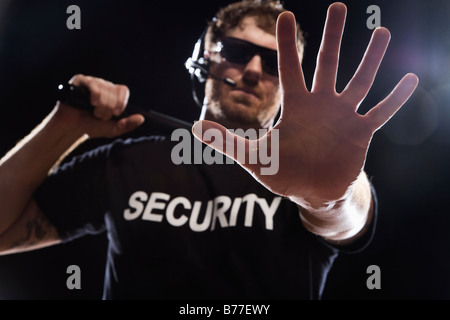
column 323, row 140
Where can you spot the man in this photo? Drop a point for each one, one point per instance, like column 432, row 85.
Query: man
column 194, row 230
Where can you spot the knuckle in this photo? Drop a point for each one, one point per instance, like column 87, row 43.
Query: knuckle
column 116, row 99
column 95, row 93
column 99, row 91
column 77, row 79
column 123, row 88
column 123, row 94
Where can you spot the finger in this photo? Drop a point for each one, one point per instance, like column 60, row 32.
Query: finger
column 78, row 80
column 114, row 99
column 116, row 128
column 107, row 98
column 226, row 142
column 358, row 87
column 104, row 97
column 289, row 65
column 98, row 97
column 384, row 110
column 328, row 57
column 123, row 94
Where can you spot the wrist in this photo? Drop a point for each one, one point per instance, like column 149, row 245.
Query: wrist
column 317, row 204
column 342, row 218
column 68, row 121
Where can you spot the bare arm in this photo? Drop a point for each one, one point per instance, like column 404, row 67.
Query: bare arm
column 30, row 231
column 22, row 225
column 26, row 166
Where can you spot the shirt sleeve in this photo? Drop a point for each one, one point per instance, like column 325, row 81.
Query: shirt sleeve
column 74, row 196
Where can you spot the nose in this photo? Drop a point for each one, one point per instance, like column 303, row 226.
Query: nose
column 253, row 70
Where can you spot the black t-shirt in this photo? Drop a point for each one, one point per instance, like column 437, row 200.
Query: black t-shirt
column 187, row 231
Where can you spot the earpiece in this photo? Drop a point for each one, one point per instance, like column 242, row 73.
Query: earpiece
column 198, row 67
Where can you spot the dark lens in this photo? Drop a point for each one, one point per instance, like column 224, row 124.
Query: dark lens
column 236, row 51
column 241, row 52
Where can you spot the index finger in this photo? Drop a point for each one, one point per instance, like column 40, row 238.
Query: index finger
column 289, row 65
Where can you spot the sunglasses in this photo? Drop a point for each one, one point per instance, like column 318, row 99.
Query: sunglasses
column 241, row 52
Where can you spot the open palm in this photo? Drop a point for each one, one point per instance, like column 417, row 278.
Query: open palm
column 322, row 139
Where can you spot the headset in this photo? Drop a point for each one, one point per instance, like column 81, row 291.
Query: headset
column 198, row 67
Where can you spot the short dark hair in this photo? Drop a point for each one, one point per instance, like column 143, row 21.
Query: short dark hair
column 230, row 16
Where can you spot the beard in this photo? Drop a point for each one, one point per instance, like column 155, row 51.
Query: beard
column 241, row 111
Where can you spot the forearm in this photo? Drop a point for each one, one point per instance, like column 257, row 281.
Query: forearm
column 26, row 166
column 344, row 219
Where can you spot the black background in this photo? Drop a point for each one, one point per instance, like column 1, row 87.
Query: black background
column 144, row 45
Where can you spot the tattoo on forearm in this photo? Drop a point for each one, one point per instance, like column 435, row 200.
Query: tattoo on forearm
column 36, row 230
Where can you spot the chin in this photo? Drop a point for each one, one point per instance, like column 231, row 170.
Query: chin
column 240, row 114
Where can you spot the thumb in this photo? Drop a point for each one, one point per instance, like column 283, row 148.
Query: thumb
column 112, row 129
column 238, row 148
